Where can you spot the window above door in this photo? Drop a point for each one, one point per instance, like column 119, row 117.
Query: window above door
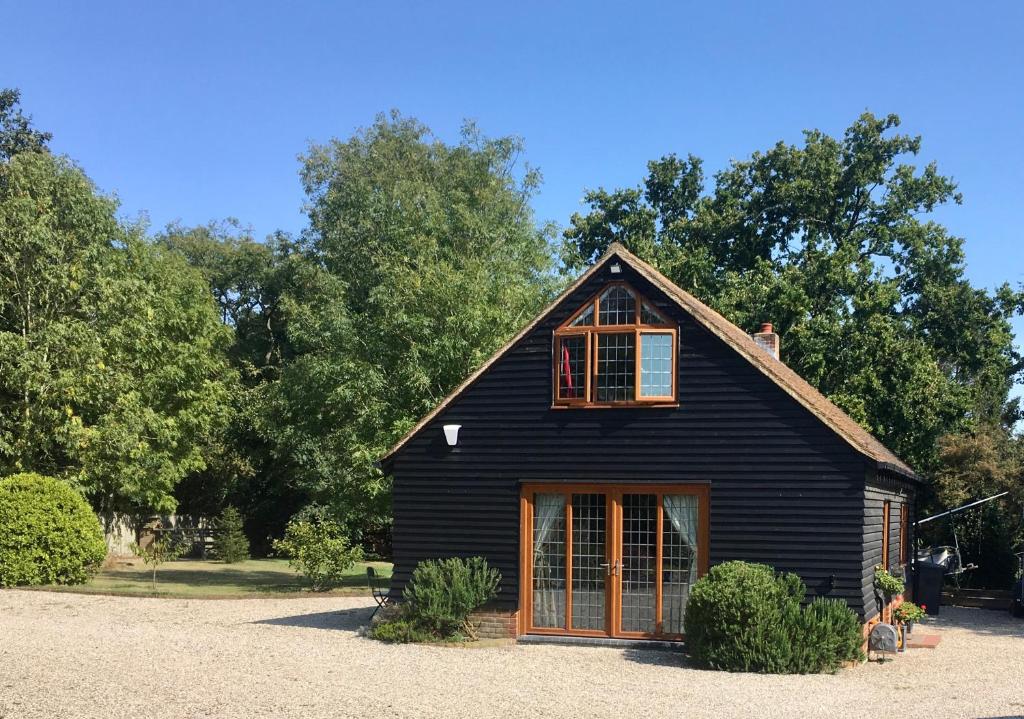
column 617, row 349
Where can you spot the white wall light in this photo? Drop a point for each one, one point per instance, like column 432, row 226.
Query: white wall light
column 451, row 434
column 616, row 268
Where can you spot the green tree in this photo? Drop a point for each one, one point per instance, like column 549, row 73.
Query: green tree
column 425, row 259
column 247, row 466
column 16, row 131
column 112, row 367
column 319, row 551
column 161, row 549
column 230, row 543
column 249, row 281
column 830, row 241
column 974, row 465
column 978, row 464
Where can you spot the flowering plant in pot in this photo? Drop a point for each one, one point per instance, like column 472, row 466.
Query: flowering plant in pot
column 907, row 613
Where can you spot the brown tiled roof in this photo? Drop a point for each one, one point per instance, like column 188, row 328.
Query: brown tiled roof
column 790, row 382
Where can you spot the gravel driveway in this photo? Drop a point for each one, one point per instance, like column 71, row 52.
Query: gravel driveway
column 65, row 655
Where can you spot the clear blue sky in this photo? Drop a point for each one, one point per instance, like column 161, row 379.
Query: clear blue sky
column 196, row 111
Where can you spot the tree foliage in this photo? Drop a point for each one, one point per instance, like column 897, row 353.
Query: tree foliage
column 830, row 241
column 162, row 548
column 319, row 551
column 246, row 463
column 421, row 259
column 112, row 367
column 230, row 544
column 16, row 132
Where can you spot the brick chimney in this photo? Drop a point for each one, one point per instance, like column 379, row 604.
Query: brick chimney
column 767, row 339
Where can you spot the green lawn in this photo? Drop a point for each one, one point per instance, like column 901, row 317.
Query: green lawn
column 189, row 578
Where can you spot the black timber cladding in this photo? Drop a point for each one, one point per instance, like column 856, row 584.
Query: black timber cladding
column 898, row 491
column 785, row 489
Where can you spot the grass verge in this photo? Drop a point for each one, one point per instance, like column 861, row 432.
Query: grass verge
column 203, row 579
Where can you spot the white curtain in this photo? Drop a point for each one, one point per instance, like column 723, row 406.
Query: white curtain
column 548, row 579
column 681, row 510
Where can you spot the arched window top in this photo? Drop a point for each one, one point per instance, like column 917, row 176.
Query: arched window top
column 617, row 349
column 617, row 304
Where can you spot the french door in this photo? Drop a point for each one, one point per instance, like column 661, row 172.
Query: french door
column 610, row 560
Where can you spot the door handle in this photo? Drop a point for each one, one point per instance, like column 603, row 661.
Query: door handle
column 611, row 568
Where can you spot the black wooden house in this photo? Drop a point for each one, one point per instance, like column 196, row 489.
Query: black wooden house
column 627, row 439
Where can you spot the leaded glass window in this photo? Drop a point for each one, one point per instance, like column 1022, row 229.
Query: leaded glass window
column 617, row 306
column 588, row 561
column 650, row 316
column 616, row 367
column 585, row 318
column 572, row 367
column 678, row 558
column 595, row 353
column 549, row 560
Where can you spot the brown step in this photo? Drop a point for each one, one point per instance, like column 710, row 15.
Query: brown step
column 923, row 641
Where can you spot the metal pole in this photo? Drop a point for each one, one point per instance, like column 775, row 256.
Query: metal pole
column 960, row 509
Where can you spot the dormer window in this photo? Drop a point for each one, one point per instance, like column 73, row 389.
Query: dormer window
column 617, row 349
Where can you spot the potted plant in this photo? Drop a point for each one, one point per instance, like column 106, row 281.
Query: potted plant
column 906, row 614
column 887, row 585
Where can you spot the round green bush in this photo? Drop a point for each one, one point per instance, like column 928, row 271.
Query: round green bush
column 48, row 533
column 737, row 618
column 745, row 617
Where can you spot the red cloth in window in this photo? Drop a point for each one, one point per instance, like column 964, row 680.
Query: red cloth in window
column 565, row 368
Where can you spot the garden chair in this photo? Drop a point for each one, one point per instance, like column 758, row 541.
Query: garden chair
column 379, row 595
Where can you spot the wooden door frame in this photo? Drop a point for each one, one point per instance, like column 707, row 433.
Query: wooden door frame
column 613, row 549
column 886, row 511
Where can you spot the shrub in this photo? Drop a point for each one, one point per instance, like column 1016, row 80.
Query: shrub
column 230, row 543
column 442, row 593
column 745, row 617
column 400, row 629
column 829, row 635
column 48, row 533
column 736, row 618
column 319, row 551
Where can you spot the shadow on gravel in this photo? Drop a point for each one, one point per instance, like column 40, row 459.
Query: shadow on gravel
column 657, row 657
column 988, row 622
column 344, row 619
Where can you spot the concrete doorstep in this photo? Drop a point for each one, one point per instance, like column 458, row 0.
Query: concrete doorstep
column 923, row 641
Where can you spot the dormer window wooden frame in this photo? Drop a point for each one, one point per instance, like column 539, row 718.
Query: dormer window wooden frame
column 616, row 350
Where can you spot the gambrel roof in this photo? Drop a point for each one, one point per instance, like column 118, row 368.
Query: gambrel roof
column 789, row 381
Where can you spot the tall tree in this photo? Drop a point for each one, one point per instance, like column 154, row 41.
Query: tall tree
column 427, row 258
column 830, row 241
column 112, row 367
column 16, row 131
column 247, row 465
